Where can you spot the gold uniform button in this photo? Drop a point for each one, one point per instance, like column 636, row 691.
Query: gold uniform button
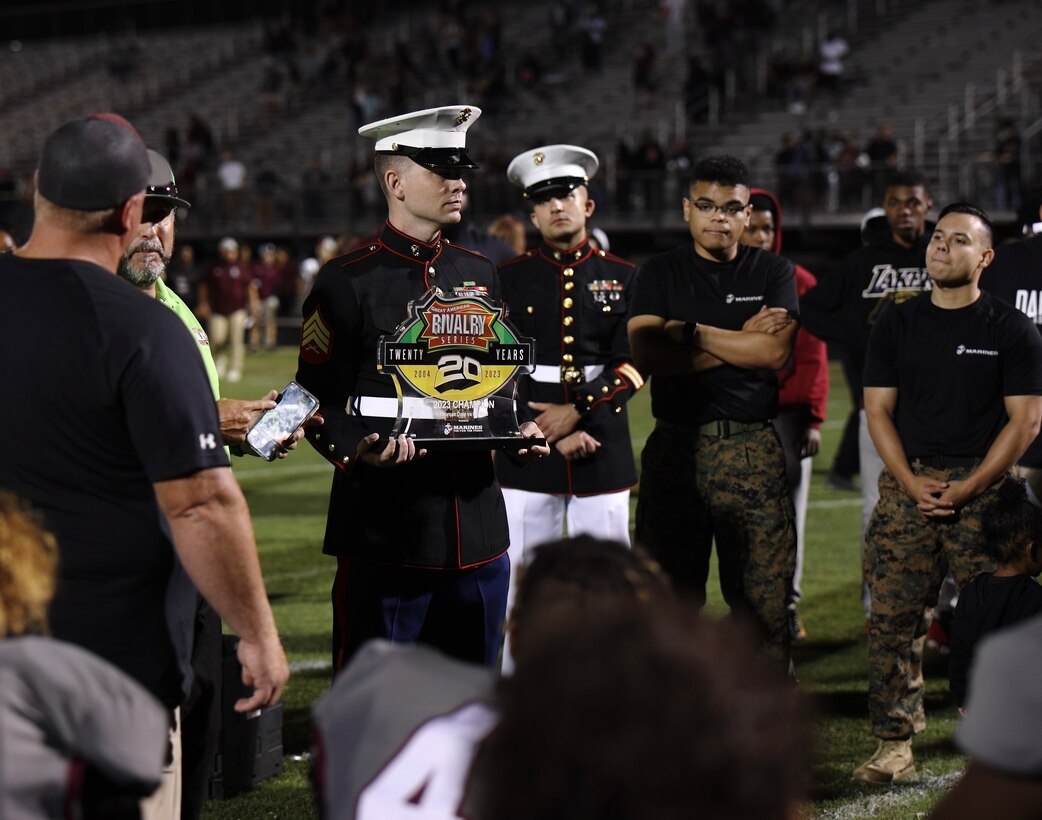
column 568, row 321
column 569, row 340
column 557, row 254
column 567, row 358
column 431, row 270
column 604, row 389
column 606, row 309
column 618, row 381
column 589, row 398
column 530, row 309
column 568, row 302
column 568, row 272
column 578, row 254
column 569, row 285
column 332, row 448
column 618, row 409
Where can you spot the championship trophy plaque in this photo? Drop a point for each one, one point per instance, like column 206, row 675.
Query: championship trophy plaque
column 455, row 361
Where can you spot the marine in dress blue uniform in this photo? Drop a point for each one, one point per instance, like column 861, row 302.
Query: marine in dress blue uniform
column 420, row 539
column 572, row 298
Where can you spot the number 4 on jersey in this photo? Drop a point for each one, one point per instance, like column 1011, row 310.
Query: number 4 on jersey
column 426, row 779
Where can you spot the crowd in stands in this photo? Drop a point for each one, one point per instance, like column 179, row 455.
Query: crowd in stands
column 317, row 51
column 827, row 170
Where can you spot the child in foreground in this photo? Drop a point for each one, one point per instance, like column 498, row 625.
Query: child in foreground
column 1012, row 539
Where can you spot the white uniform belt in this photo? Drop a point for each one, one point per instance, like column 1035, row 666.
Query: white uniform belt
column 412, row 407
column 552, row 372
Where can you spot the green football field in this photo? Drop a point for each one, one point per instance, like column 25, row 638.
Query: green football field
column 288, row 502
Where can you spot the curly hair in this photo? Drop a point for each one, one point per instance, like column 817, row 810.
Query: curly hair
column 581, row 575
column 908, row 178
column 722, row 169
column 1010, row 522
column 646, row 711
column 28, row 563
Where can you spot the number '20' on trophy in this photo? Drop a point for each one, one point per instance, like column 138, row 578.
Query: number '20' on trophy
column 455, row 361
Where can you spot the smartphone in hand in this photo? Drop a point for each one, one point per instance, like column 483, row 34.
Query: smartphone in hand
column 295, row 406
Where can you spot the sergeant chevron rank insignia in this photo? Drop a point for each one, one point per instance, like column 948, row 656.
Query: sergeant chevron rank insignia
column 316, row 338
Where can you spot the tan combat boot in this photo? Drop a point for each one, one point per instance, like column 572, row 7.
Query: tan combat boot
column 891, row 762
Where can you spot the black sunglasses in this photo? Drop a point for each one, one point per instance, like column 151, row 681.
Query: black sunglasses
column 155, row 211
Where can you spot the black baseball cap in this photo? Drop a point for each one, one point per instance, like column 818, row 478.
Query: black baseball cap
column 93, row 163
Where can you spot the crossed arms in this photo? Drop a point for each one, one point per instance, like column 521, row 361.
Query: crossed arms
column 666, row 347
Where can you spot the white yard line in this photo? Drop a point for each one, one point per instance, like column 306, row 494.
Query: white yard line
column 833, row 503
column 310, row 666
column 890, row 799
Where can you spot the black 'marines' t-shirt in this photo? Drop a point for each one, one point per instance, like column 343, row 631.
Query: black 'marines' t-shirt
column 952, row 369
column 680, row 284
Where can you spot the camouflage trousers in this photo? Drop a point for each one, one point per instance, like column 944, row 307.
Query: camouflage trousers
column 695, row 488
column 906, row 558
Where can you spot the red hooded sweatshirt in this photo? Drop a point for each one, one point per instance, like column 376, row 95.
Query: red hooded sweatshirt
column 804, row 381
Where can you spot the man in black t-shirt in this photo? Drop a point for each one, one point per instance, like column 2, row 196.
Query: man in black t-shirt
column 117, row 439
column 712, row 321
column 1016, row 277
column 953, row 395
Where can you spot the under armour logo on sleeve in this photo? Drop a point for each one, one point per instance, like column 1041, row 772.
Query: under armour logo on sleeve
column 207, row 441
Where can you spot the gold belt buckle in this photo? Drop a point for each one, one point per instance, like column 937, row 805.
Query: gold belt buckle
column 572, row 374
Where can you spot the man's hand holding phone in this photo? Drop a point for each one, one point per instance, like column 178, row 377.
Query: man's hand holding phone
column 279, row 429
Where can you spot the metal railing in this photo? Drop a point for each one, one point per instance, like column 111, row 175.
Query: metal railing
column 820, row 195
column 959, row 154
